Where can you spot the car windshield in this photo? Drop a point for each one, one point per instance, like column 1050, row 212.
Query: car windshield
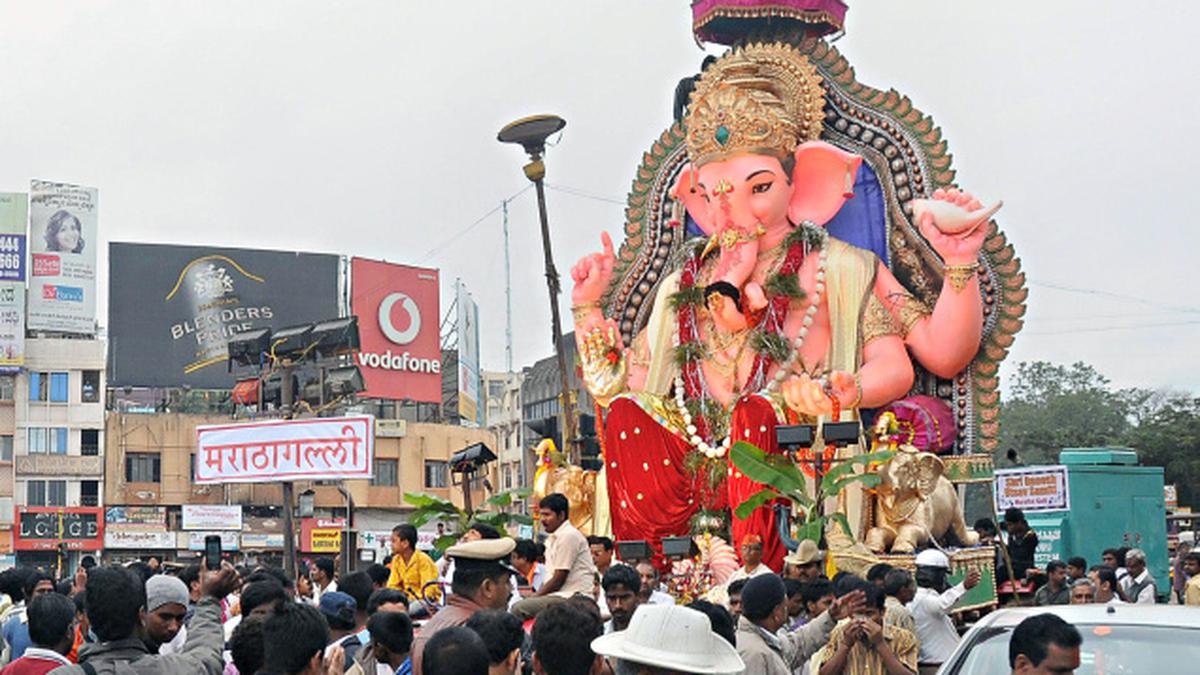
column 1107, row 649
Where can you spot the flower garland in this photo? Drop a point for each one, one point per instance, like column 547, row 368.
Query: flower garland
column 701, row 422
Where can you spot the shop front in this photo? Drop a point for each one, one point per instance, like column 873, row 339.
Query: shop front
column 56, row 539
column 262, row 541
column 137, row 533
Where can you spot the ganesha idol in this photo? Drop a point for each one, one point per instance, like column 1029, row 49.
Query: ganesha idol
column 763, row 318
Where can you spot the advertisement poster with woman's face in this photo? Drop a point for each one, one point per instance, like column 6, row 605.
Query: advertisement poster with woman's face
column 62, row 242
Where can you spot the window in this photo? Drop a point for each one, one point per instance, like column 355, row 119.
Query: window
column 385, row 473
column 7, row 386
column 43, row 440
column 89, row 442
column 39, row 386
column 508, row 477
column 90, row 391
column 56, row 493
column 59, row 390
column 48, row 387
column 143, row 467
column 35, row 493
column 437, row 474
column 6, row 448
column 37, row 440
column 89, row 493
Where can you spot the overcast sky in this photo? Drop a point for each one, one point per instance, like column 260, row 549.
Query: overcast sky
column 368, row 128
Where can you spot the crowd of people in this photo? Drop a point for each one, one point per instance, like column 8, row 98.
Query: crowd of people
column 1120, row 577
column 494, row 605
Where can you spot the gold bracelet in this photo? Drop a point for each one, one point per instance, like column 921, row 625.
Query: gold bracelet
column 960, row 275
column 858, row 391
column 580, row 312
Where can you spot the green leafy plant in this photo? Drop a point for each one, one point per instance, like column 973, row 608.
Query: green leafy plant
column 784, row 480
column 431, row 507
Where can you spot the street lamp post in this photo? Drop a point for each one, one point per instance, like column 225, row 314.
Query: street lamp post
column 531, row 133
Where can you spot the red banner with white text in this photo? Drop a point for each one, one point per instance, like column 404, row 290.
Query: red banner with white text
column 398, row 325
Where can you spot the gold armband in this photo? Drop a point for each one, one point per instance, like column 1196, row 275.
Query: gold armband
column 911, row 311
column 877, row 321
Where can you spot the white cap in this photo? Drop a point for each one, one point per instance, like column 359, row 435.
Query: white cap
column 672, row 637
column 931, row 557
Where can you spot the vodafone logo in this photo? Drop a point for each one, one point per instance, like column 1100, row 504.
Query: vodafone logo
column 404, row 362
column 389, row 328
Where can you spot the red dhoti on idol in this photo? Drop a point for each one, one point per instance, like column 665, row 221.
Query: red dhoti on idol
column 652, row 492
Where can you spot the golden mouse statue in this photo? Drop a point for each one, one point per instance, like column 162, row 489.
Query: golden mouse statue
column 914, row 503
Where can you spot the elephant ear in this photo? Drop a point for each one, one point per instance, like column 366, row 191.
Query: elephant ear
column 688, row 192
column 929, row 469
column 916, row 471
column 822, row 181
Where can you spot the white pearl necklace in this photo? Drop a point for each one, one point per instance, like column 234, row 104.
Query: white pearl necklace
column 721, row 448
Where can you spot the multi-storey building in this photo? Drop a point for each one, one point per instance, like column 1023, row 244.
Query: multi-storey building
column 150, row 463
column 502, row 392
column 540, row 389
column 55, row 446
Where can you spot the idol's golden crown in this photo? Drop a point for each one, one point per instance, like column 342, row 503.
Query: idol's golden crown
column 760, row 98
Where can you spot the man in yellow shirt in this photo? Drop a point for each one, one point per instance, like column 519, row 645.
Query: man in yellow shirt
column 411, row 569
column 1191, row 591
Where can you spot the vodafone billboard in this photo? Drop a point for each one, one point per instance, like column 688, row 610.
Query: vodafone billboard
column 398, row 322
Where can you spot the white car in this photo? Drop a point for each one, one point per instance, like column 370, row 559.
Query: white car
column 1141, row 639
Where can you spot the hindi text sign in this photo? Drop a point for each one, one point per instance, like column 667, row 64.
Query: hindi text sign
column 326, row 448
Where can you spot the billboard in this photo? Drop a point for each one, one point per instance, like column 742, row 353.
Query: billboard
column 398, row 325
column 14, row 217
column 43, row 528
column 469, row 376
column 323, row 448
column 173, row 309
column 62, row 244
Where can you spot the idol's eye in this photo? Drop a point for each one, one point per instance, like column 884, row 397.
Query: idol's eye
column 761, row 188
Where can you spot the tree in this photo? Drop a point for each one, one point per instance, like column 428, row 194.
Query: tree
column 1054, row 407
column 430, row 507
column 1169, row 436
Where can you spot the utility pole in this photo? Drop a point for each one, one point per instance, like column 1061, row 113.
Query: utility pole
column 508, row 339
column 288, row 396
column 531, row 133
column 536, row 171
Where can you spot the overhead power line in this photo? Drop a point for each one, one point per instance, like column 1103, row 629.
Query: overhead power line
column 461, row 233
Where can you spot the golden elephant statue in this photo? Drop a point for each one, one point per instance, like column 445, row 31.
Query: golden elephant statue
column 914, row 503
column 554, row 474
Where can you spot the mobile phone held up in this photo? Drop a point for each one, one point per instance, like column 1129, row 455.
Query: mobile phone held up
column 212, row 552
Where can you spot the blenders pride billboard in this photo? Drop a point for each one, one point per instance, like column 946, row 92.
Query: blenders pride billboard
column 172, row 309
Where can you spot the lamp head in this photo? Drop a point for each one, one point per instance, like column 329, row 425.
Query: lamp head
column 531, row 132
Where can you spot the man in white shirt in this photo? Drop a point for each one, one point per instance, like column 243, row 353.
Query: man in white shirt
column 1139, row 585
column 323, row 578
column 1105, row 581
column 650, row 595
column 930, row 608
column 752, row 564
column 568, row 560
